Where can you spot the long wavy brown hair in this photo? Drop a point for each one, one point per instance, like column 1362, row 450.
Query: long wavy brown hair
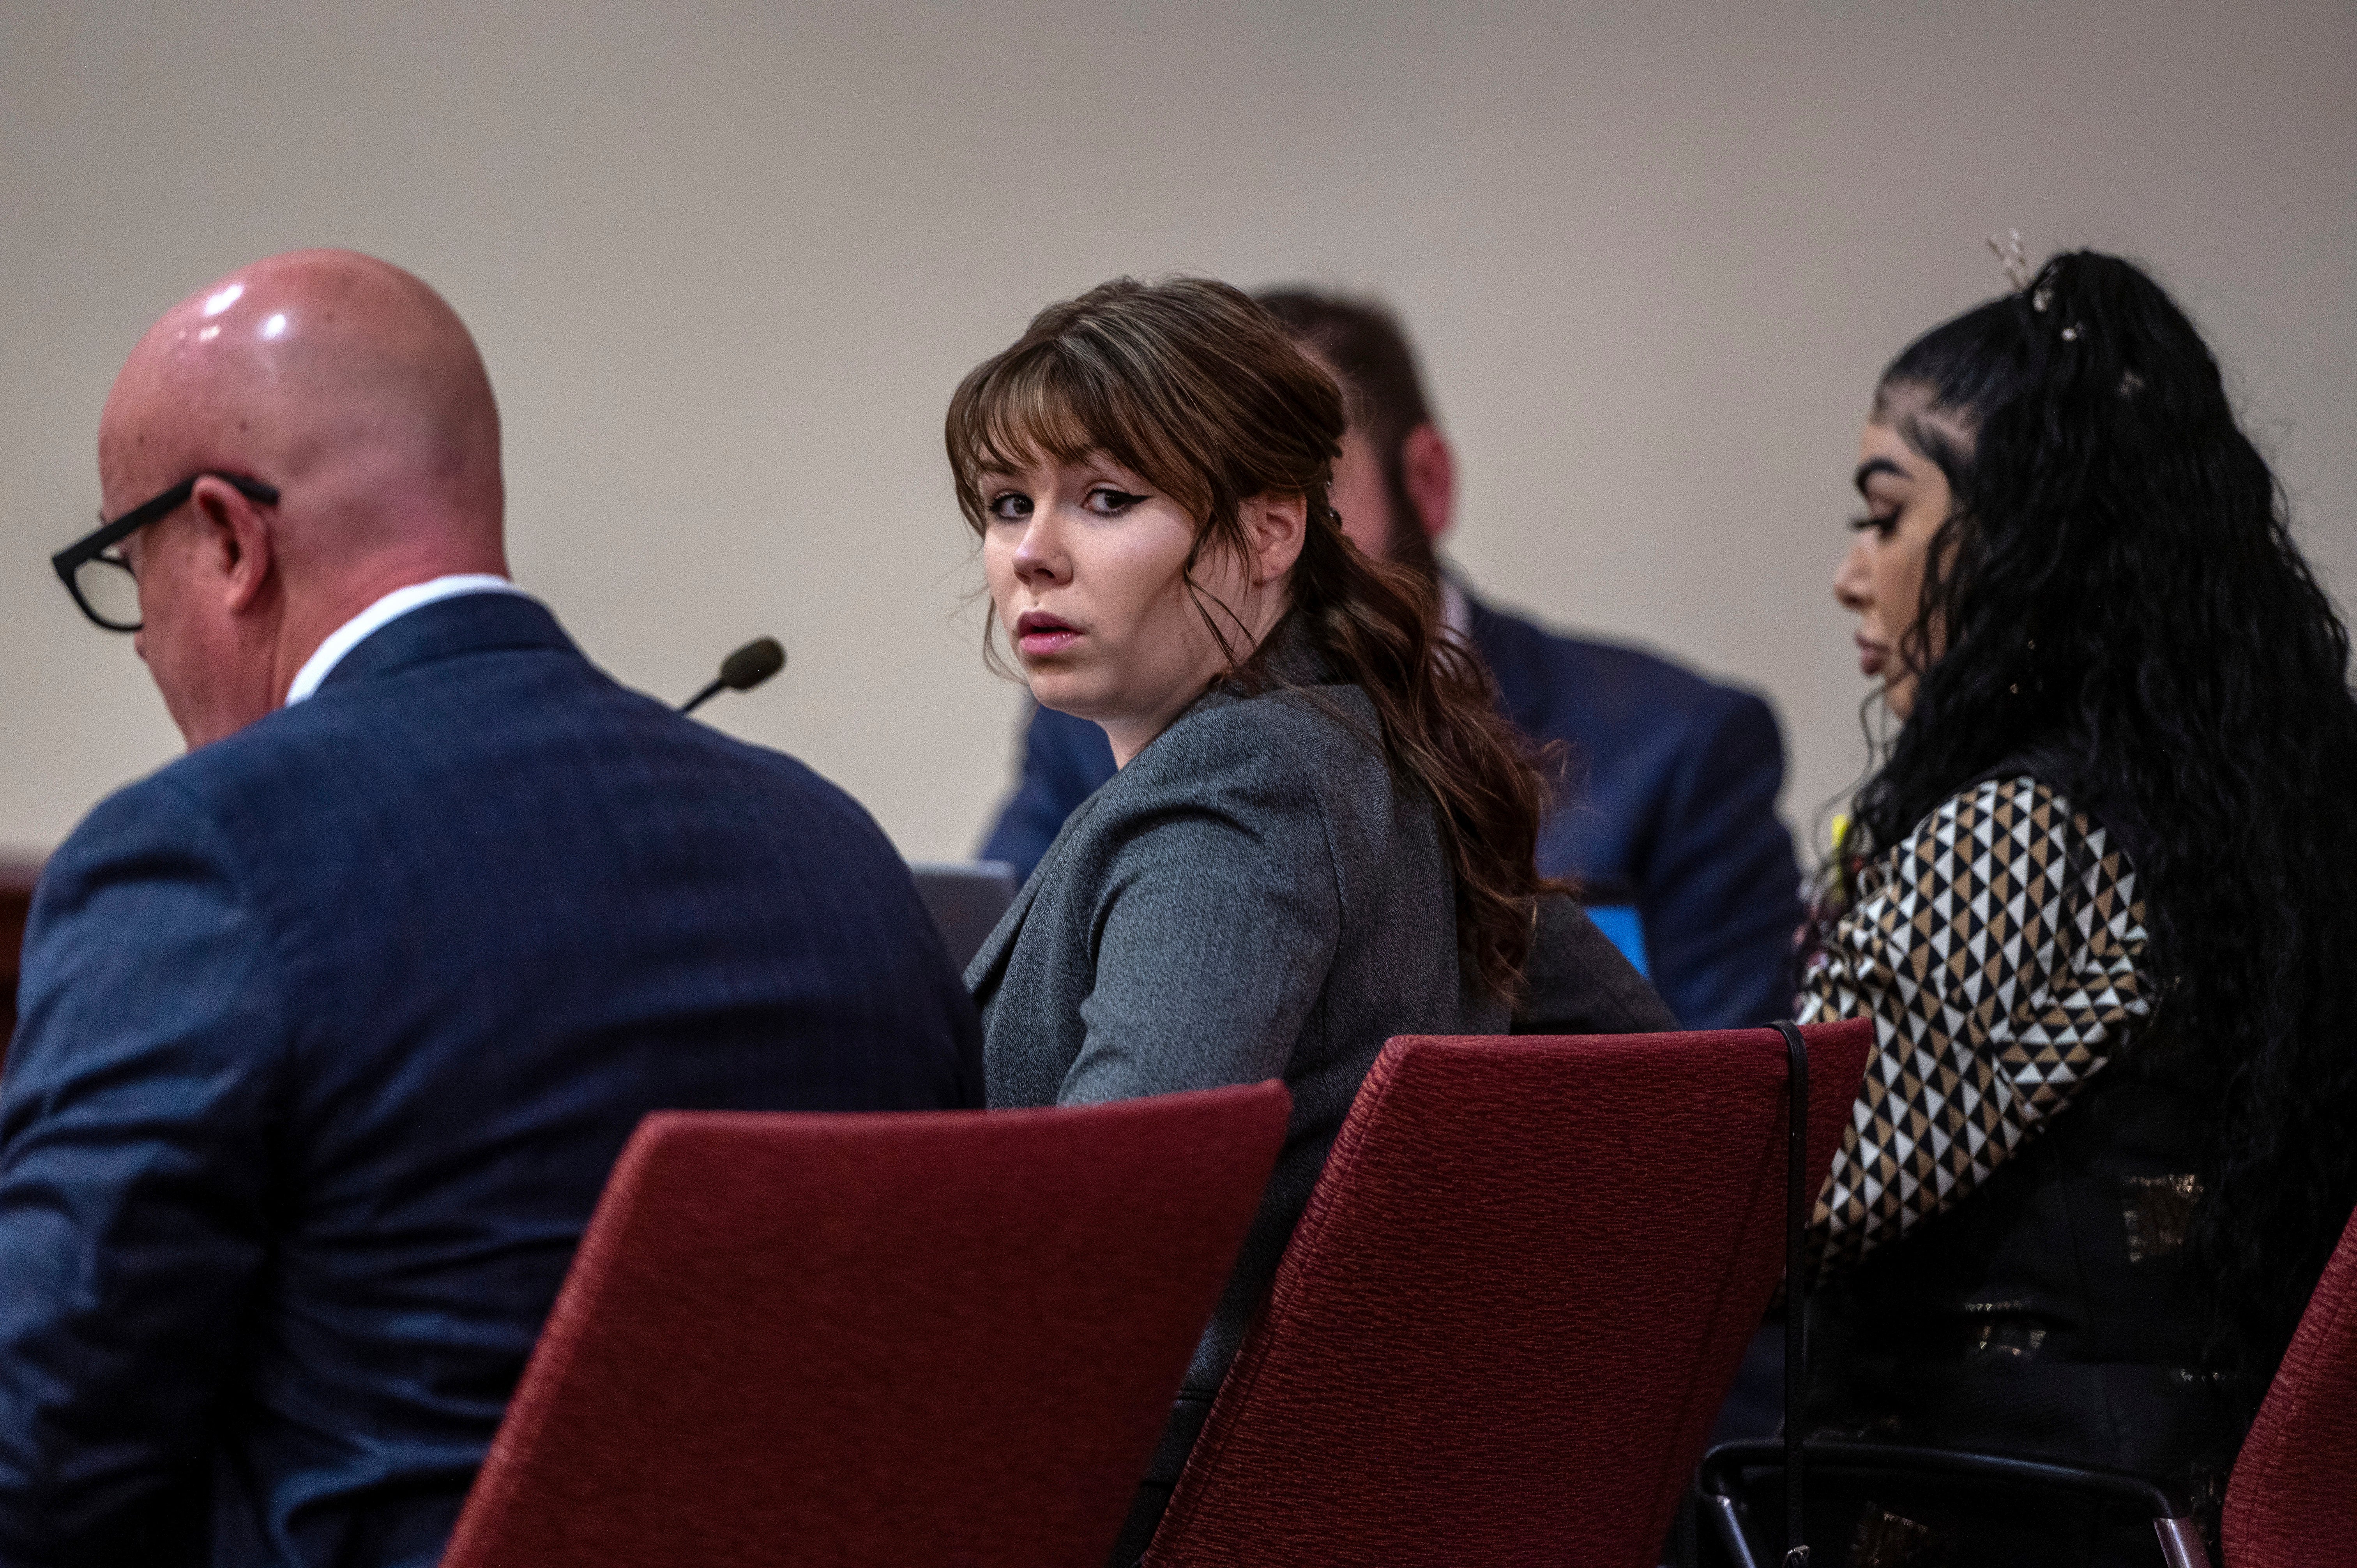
column 1192, row 385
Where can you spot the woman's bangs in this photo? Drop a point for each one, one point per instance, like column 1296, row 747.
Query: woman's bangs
column 1029, row 410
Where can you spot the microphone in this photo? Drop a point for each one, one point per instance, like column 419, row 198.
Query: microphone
column 742, row 670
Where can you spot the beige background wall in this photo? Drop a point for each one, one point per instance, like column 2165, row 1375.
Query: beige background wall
column 727, row 261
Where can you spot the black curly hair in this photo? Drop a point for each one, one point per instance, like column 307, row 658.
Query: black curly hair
column 2116, row 590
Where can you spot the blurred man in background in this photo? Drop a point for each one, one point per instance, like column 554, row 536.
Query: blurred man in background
column 332, row 1029
column 1672, row 793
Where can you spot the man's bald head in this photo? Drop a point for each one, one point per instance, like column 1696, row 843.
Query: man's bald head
column 355, row 391
column 318, row 368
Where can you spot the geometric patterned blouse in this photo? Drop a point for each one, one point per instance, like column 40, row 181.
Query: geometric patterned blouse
column 1997, row 948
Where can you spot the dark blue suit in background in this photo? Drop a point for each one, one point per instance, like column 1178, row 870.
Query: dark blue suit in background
column 331, row 1032
column 1675, row 799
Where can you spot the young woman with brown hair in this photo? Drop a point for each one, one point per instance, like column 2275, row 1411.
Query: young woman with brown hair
column 1322, row 831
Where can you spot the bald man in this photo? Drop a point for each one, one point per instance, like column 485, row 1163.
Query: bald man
column 332, row 1029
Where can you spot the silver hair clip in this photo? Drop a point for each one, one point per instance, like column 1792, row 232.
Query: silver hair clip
column 2013, row 259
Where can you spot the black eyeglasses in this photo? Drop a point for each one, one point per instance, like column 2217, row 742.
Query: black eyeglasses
column 93, row 569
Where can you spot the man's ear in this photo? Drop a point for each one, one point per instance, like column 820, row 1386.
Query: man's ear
column 1428, row 473
column 238, row 547
column 1277, row 526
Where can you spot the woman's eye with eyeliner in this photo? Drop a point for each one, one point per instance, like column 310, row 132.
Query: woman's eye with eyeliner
column 1110, row 503
column 1010, row 506
column 1882, row 524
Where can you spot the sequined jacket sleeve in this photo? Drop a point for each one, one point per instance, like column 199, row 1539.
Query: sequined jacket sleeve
column 1998, row 950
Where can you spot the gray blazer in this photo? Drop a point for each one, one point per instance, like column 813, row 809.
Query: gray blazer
column 1255, row 896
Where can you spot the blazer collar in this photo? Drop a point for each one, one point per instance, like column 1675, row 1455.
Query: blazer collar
column 982, row 975
column 1288, row 658
column 471, row 623
column 1292, row 658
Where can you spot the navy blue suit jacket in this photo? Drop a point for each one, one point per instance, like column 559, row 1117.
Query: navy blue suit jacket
column 331, row 1031
column 1673, row 798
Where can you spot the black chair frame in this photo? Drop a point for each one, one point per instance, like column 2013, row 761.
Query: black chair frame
column 1723, row 1468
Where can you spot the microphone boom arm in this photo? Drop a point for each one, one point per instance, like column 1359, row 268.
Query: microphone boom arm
column 742, row 670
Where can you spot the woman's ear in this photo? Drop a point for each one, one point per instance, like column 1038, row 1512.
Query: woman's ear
column 1277, row 526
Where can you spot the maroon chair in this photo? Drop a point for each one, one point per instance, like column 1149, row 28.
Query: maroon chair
column 1521, row 1289
column 2293, row 1495
column 17, row 879
column 946, row 1337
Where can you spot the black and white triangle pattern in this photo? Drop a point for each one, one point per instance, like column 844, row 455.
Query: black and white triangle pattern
column 1996, row 950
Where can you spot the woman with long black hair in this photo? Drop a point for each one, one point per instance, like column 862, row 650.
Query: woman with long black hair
column 2097, row 897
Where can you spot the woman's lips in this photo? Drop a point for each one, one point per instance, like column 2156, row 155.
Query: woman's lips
column 1871, row 656
column 1039, row 635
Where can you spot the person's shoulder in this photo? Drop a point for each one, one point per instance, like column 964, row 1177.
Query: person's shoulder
column 794, row 780
column 1622, row 675
column 1051, row 730
column 139, row 807
column 165, row 827
column 557, row 733
column 2011, row 806
column 2024, row 793
column 192, row 787
column 206, row 805
column 2012, row 788
column 1282, row 778
column 650, row 737
column 1298, row 733
column 1311, row 758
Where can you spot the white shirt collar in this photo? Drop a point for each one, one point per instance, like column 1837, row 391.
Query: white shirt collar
column 381, row 614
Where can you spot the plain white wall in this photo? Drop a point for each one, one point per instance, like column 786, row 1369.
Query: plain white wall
column 728, row 260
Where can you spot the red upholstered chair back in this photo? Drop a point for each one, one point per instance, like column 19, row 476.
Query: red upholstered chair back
column 2293, row 1495
column 1519, row 1293
column 946, row 1337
